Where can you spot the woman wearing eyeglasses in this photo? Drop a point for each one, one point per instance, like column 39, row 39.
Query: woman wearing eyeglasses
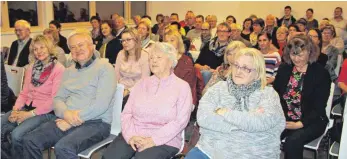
column 241, row 117
column 222, row 71
column 304, row 87
column 328, row 55
column 132, row 63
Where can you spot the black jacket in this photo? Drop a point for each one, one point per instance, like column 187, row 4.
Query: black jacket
column 63, row 44
column 23, row 58
column 315, row 93
column 113, row 47
column 279, row 22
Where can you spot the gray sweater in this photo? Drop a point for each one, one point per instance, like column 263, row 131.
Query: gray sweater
column 240, row 134
column 90, row 89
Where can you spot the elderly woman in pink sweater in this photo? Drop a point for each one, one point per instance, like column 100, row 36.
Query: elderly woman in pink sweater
column 34, row 103
column 156, row 113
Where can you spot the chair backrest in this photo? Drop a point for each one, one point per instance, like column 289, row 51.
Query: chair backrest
column 117, row 110
column 343, row 142
column 15, row 76
column 339, row 63
column 330, row 100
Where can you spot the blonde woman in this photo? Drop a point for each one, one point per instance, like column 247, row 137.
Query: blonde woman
column 35, row 102
column 241, row 114
column 132, row 63
column 221, row 72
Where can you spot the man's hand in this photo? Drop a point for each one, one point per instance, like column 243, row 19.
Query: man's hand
column 72, row 117
column 62, row 124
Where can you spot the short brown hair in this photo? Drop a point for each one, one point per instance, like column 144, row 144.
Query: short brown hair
column 304, row 43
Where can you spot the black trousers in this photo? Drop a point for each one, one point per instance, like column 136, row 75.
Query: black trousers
column 120, row 149
column 296, row 139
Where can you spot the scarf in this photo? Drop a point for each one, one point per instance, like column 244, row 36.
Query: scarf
column 144, row 42
column 105, row 40
column 242, row 92
column 42, row 71
column 216, row 48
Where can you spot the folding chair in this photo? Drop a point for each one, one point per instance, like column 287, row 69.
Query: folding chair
column 314, row 145
column 115, row 125
column 15, row 76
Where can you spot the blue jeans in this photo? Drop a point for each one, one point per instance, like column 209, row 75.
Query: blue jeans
column 206, row 75
column 67, row 144
column 196, row 153
column 17, row 132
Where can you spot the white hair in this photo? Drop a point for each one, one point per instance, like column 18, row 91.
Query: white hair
column 83, row 32
column 168, row 50
column 22, row 22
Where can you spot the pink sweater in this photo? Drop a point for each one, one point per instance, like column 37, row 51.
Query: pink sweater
column 158, row 108
column 42, row 96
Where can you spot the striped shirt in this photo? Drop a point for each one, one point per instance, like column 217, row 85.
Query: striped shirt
column 272, row 62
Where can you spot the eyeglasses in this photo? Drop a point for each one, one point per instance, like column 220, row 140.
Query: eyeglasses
column 126, row 40
column 205, row 29
column 79, row 46
column 313, row 36
column 243, row 68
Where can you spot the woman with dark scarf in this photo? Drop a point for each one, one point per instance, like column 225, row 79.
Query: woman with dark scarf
column 34, row 104
column 211, row 55
column 107, row 35
column 241, row 114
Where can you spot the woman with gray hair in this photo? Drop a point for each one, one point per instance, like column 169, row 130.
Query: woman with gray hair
column 240, row 117
column 156, row 113
column 221, row 71
column 303, row 86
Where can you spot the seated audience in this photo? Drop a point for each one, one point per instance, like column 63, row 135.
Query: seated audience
column 196, row 32
column 107, row 35
column 236, row 34
column 132, row 63
column 271, row 56
column 212, row 20
column 185, row 65
column 334, row 40
column 270, row 25
column 338, row 21
column 95, row 21
column 145, row 32
column 136, row 19
column 324, row 23
column 311, row 22
column 55, row 25
column 34, row 103
column 230, row 19
column 83, row 105
column 247, row 28
column 293, row 30
column 258, row 26
column 159, row 18
column 114, row 46
column 288, row 18
column 53, row 36
column 19, row 51
column 301, row 23
column 280, row 41
column 222, row 71
column 211, row 55
column 240, row 115
column 328, row 53
column 303, row 97
column 189, row 22
column 174, row 19
column 156, row 113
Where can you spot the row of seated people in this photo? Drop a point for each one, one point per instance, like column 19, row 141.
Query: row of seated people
column 235, row 116
column 131, row 37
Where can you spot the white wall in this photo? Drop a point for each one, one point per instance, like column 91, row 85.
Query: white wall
column 240, row 10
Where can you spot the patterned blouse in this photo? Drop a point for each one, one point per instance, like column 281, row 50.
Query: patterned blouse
column 293, row 95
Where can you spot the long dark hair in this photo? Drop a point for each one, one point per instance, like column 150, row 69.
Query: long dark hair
column 319, row 33
column 246, row 20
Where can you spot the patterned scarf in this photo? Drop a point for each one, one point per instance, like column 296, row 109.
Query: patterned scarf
column 242, row 92
column 42, row 71
column 216, row 48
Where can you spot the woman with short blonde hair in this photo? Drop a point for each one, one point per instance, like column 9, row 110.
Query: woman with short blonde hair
column 241, row 114
column 34, row 105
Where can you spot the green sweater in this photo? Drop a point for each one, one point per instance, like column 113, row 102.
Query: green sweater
column 90, row 89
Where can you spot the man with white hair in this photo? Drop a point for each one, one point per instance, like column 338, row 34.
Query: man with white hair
column 19, row 52
column 83, row 105
column 235, row 35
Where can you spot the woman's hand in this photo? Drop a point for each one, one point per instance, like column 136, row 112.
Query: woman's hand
column 135, row 141
column 13, row 116
column 294, row 125
column 23, row 115
column 145, row 144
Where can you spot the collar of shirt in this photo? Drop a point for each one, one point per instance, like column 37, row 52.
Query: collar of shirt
column 162, row 81
column 120, row 30
column 79, row 67
column 23, row 42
